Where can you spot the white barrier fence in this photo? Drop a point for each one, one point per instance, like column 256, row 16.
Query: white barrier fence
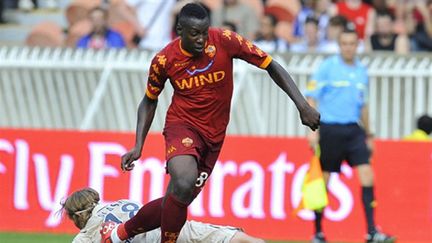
column 100, row 90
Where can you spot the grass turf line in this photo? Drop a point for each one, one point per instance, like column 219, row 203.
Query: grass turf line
column 11, row 237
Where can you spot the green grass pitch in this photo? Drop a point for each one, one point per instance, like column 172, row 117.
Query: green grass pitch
column 9, row 237
column 56, row 238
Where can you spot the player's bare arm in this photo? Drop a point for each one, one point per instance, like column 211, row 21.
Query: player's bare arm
column 313, row 136
column 146, row 112
column 309, row 116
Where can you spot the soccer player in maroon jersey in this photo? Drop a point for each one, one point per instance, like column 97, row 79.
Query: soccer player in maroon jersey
column 199, row 66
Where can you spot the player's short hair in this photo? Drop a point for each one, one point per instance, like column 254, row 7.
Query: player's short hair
column 311, row 19
column 192, row 10
column 425, row 123
column 338, row 20
column 386, row 13
column 79, row 205
column 349, row 29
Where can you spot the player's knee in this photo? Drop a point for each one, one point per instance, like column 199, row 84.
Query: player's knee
column 184, row 188
column 366, row 175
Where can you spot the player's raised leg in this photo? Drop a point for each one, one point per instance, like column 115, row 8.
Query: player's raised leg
column 146, row 219
column 183, row 171
column 169, row 213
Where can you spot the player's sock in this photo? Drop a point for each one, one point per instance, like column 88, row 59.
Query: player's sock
column 174, row 216
column 115, row 237
column 121, row 233
column 147, row 218
column 318, row 219
column 369, row 205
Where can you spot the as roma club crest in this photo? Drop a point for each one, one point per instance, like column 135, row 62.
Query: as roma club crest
column 210, row 51
column 187, row 142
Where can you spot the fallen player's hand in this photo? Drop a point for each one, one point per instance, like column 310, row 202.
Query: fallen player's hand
column 128, row 159
column 310, row 117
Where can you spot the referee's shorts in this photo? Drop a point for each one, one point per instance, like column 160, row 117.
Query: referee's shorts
column 342, row 142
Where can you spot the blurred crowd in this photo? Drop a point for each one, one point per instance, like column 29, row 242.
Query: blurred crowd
column 401, row 26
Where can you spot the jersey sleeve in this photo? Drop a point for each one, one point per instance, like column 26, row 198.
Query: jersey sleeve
column 242, row 48
column 157, row 76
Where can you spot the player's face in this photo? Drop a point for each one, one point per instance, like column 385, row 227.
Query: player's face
column 384, row 25
column 98, row 19
column 267, row 28
column 194, row 35
column 348, row 43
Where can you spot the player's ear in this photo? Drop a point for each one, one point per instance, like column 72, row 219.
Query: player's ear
column 179, row 29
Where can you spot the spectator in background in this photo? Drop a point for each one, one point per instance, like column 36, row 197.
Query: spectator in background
column 101, row 36
column 409, row 15
column 313, row 8
column 407, row 18
column 339, row 88
column 310, row 41
column 229, row 26
column 423, row 131
column 286, row 12
column 361, row 14
column 384, row 38
column 28, row 5
column 266, row 37
column 382, row 6
column 240, row 14
column 2, row 20
column 305, row 11
column 390, row 6
column 423, row 34
column 151, row 20
column 336, row 25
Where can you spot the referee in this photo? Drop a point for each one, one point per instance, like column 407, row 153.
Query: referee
column 339, row 89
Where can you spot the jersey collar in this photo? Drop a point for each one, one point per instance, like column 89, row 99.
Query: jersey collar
column 186, row 53
column 183, row 51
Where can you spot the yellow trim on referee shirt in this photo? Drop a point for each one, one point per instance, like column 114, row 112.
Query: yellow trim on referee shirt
column 311, row 85
column 150, row 95
column 266, row 62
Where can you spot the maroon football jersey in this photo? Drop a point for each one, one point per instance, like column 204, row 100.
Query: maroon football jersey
column 202, row 84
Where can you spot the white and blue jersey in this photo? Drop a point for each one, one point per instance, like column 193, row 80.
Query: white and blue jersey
column 122, row 210
column 341, row 90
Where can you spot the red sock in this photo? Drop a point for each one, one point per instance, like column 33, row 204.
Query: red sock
column 147, row 218
column 121, row 232
column 174, row 216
